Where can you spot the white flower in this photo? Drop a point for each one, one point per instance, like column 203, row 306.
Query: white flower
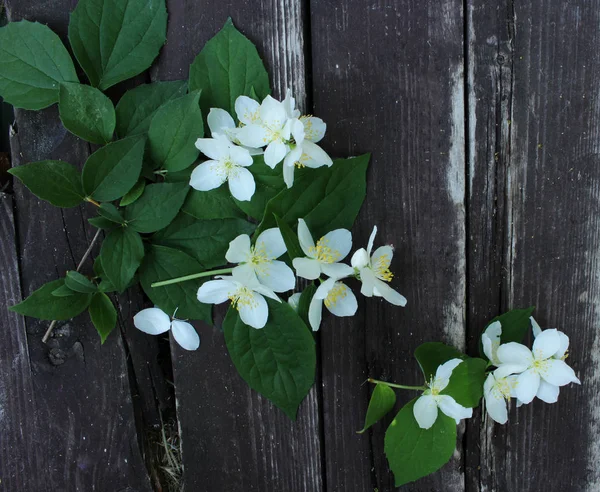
column 229, row 163
column 268, row 126
column 325, row 255
column 244, row 292
column 289, row 103
column 220, row 122
column 374, row 271
column 497, row 391
column 294, row 300
column 261, row 261
column 490, row 339
column 154, row 322
column 535, row 367
column 338, row 299
column 426, row 407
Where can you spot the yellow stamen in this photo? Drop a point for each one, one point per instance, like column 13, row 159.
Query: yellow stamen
column 323, row 252
column 259, row 258
column 382, row 269
column 243, row 297
column 338, row 292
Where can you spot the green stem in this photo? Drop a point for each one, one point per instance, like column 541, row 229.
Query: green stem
column 394, row 385
column 191, row 277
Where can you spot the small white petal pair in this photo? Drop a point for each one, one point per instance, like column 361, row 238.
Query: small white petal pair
column 154, row 321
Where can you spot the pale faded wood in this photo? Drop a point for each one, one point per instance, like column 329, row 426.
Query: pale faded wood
column 388, row 78
column 535, row 119
column 234, row 439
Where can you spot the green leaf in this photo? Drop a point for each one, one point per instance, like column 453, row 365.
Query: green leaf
column 174, row 129
column 56, row 182
column 162, row 263
column 157, row 207
column 110, row 212
column 103, row 223
column 515, row 325
column 62, row 291
column 105, row 285
column 278, row 360
column 134, row 193
column 290, row 239
column 113, row 170
column 87, row 113
column 103, row 315
column 269, row 182
column 228, row 67
column 413, row 452
column 304, row 303
column 205, row 240
column 213, row 204
column 121, row 254
column 42, row 304
column 182, row 176
column 79, row 283
column 33, row 64
column 466, row 382
column 431, row 355
column 327, row 198
column 137, row 106
column 114, row 40
column 382, row 401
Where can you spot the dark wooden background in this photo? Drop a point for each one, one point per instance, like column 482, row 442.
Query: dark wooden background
column 483, row 119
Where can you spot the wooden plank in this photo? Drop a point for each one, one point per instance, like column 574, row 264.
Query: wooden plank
column 388, row 78
column 233, row 439
column 82, row 418
column 538, row 114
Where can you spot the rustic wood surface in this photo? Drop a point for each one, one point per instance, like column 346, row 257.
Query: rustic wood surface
column 482, row 118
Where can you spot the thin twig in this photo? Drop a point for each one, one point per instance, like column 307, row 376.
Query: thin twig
column 81, row 262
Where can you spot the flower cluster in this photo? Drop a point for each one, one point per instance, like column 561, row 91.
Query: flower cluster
column 273, row 128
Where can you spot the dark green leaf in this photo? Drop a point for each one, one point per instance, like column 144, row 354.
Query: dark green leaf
column 290, row 239
column 174, row 129
column 269, row 182
column 382, row 401
column 431, row 355
column 62, row 291
column 87, row 112
column 103, row 315
column 278, row 360
column 182, row 176
column 515, row 325
column 304, row 303
column 228, row 67
column 157, row 207
column 33, row 64
column 102, row 223
column 113, row 170
column 162, row 263
column 56, row 182
column 110, row 212
column 413, row 452
column 42, row 304
column 79, row 283
column 466, row 382
column 115, row 40
column 121, row 255
column 134, row 193
column 213, row 204
column 137, row 106
column 327, row 198
column 105, row 285
column 205, row 240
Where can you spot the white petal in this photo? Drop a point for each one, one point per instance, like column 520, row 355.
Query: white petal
column 241, row 184
column 255, row 313
column 216, row 291
column 253, row 136
column 360, row 258
column 382, row 257
column 272, row 241
column 452, row 409
column 371, row 240
column 495, row 404
column 275, row 153
column 314, row 128
column 153, row 321
column 288, row 173
column 289, row 103
column 337, row 270
column 341, row 301
column 213, row 148
column 207, row 176
column 297, row 131
column 563, row 347
column 307, row 268
column 265, row 291
column 488, row 350
column 239, row 249
column 535, row 327
column 494, row 331
column 185, row 335
column 514, row 353
column 557, row 372
column 294, row 300
column 367, row 277
column 444, row 372
column 277, row 276
column 315, row 312
column 505, row 370
column 240, row 156
column 340, row 241
column 548, row 392
column 527, row 387
column 382, row 289
column 246, row 109
column 314, row 156
column 305, row 237
column 546, row 344
column 425, row 411
column 219, row 120
column 324, row 288
column 272, row 113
